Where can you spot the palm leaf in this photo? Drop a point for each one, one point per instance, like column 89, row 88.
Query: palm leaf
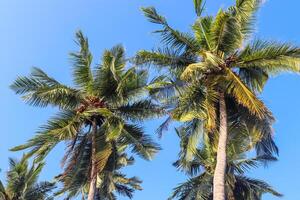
column 244, row 185
column 103, row 152
column 226, row 33
column 82, row 60
column 141, row 143
column 270, row 57
column 41, row 90
column 191, row 134
column 140, row 110
column 198, row 7
column 244, row 95
column 164, row 58
column 245, row 11
column 202, row 32
column 170, row 36
column 63, row 126
column 255, row 78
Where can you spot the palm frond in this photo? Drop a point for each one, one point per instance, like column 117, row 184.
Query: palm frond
column 226, row 33
column 22, row 181
column 256, row 188
column 255, row 78
column 141, row 144
column 103, row 152
column 190, row 105
column 245, row 96
column 165, row 58
column 39, row 89
column 162, row 88
column 108, row 73
column 202, row 32
column 132, row 85
column 245, row 11
column 245, row 165
column 190, row 136
column 271, row 57
column 195, row 188
column 199, row 7
column 170, row 36
column 82, row 60
column 40, row 191
column 63, row 126
column 140, row 110
column 259, row 131
column 3, row 193
column 266, row 145
column 163, row 126
column 76, row 167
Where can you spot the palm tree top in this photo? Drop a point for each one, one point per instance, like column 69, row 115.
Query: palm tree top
column 107, row 91
column 22, row 182
column 100, row 113
column 200, row 66
column 220, row 44
column 220, row 55
column 109, row 81
column 216, row 74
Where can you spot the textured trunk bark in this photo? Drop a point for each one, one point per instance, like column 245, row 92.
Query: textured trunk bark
column 93, row 175
column 220, row 170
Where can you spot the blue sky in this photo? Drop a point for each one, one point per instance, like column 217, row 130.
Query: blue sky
column 40, row 33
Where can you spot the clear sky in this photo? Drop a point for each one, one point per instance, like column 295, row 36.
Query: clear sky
column 41, row 33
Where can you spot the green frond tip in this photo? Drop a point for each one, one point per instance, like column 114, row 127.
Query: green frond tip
column 199, row 7
column 20, row 147
column 153, row 16
column 141, row 143
column 170, row 36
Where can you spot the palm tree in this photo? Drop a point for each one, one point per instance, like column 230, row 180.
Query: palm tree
column 219, row 62
column 110, row 181
column 102, row 110
column 201, row 170
column 22, row 182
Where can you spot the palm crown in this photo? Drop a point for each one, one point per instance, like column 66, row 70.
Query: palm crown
column 219, row 56
column 216, row 59
column 22, row 182
column 98, row 115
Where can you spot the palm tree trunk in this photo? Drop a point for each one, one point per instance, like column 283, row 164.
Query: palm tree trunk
column 93, row 175
column 220, row 170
